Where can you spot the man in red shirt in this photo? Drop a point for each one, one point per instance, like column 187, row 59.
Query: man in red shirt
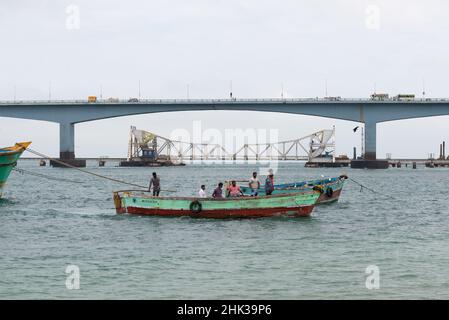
column 234, row 190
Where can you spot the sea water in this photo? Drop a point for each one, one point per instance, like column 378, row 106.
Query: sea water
column 64, row 240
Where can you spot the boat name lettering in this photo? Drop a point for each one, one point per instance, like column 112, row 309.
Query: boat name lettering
column 149, row 201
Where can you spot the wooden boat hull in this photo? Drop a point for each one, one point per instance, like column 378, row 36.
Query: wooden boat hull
column 8, row 160
column 331, row 188
column 294, row 205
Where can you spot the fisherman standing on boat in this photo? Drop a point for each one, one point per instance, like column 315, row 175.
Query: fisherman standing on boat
column 156, row 183
column 218, row 192
column 254, row 185
column 269, row 183
column 202, row 192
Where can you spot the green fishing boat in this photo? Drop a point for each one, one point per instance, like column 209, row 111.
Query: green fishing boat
column 330, row 188
column 291, row 204
column 8, row 160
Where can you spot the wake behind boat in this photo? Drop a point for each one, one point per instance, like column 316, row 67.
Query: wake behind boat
column 291, row 204
column 8, row 160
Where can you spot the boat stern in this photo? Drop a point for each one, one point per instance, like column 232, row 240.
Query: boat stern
column 119, row 208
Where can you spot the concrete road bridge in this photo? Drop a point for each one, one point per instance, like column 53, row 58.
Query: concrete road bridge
column 367, row 111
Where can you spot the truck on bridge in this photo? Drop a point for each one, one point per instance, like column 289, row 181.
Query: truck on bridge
column 380, row 96
column 404, row 97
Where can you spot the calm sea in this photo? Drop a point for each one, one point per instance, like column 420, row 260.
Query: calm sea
column 403, row 232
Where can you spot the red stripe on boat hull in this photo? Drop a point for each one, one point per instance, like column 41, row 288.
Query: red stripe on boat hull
column 303, row 211
column 325, row 199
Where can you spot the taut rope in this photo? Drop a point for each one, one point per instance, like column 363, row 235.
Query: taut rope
column 85, row 171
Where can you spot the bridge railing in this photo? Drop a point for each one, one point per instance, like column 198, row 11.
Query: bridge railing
column 217, row 101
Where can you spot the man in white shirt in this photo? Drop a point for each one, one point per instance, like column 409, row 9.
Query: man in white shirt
column 254, row 184
column 202, row 192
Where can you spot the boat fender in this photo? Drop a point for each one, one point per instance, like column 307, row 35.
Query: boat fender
column 196, row 206
column 343, row 176
column 329, row 192
column 318, row 188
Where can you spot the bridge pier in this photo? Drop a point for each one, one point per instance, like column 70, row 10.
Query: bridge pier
column 370, row 140
column 67, row 147
column 369, row 160
column 67, row 141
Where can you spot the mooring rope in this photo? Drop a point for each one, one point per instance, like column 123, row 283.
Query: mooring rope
column 86, row 171
column 362, row 186
column 22, row 171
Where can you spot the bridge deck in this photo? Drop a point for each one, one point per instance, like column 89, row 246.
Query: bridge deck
column 369, row 111
column 225, row 101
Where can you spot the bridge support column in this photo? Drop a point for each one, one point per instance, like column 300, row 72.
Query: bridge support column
column 67, row 147
column 369, row 160
column 67, row 141
column 370, row 141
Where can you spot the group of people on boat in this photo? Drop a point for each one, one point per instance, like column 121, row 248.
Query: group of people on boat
column 232, row 190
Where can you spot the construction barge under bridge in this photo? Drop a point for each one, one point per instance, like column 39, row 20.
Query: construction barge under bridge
column 145, row 150
column 149, row 149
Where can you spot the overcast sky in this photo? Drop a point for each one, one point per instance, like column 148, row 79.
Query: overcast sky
column 394, row 46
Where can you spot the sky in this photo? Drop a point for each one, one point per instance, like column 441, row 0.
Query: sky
column 73, row 49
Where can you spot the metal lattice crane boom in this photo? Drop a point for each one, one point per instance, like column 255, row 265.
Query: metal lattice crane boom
column 321, row 144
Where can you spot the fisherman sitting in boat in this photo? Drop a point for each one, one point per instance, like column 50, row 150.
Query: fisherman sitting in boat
column 234, row 190
column 269, row 183
column 218, row 192
column 254, row 184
